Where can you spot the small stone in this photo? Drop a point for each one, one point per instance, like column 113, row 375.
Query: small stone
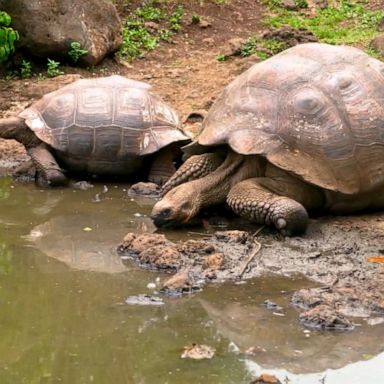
column 144, row 189
column 214, row 261
column 161, row 257
column 198, row 352
column 266, row 378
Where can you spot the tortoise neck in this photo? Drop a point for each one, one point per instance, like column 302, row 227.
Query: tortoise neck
column 15, row 128
column 214, row 188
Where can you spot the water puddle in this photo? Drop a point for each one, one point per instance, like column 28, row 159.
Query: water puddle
column 64, row 318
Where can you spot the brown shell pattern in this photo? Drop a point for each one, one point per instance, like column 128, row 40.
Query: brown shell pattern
column 104, row 118
column 316, row 110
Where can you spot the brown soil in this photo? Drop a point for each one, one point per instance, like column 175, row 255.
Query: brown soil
column 187, row 74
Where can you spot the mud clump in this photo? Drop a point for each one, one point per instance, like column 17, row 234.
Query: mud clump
column 160, row 257
column 291, row 36
column 334, row 253
column 355, row 300
column 323, row 317
column 144, row 189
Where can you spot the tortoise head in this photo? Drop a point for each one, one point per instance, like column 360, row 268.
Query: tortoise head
column 178, row 206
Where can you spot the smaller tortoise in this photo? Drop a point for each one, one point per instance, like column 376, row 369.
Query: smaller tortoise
column 303, row 130
column 104, row 126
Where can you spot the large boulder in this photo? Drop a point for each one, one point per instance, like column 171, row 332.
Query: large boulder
column 378, row 44
column 47, row 27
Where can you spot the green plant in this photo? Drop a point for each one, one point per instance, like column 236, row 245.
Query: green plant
column 349, row 22
column 140, row 36
column 150, row 12
column 262, row 48
column 301, row 3
column 220, row 57
column 25, row 69
column 175, row 18
column 196, row 18
column 53, row 68
column 76, row 51
column 8, row 37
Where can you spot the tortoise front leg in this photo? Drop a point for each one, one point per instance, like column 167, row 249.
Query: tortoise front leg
column 193, row 168
column 278, row 199
column 48, row 171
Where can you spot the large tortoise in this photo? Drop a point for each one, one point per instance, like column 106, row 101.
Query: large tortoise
column 303, row 130
column 102, row 126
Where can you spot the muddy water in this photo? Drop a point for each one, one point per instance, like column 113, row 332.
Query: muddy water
column 63, row 315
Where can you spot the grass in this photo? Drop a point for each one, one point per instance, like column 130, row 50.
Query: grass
column 139, row 36
column 348, row 23
column 262, row 48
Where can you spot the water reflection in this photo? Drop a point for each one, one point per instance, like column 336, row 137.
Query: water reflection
column 63, row 317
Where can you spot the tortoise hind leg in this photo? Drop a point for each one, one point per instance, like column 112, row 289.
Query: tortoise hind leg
column 48, row 171
column 162, row 167
column 279, row 200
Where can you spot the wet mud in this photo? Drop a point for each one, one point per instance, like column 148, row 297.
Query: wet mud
column 335, row 254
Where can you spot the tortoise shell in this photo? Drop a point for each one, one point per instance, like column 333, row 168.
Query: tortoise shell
column 105, row 123
column 315, row 110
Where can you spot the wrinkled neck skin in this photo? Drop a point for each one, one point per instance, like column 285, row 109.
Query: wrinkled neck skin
column 214, row 188
column 183, row 202
column 16, row 129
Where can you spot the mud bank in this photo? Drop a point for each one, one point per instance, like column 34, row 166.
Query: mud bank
column 336, row 254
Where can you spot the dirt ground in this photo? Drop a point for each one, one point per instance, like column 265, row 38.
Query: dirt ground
column 335, row 251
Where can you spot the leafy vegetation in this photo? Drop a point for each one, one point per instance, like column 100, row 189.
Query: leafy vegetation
column 147, row 26
column 53, row 68
column 25, row 69
column 76, row 51
column 8, row 37
column 349, row 22
column 262, row 48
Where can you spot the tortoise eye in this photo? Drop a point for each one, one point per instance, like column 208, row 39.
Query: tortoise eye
column 307, row 102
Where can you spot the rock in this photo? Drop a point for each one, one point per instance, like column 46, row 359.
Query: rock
column 160, row 257
column 378, row 44
column 144, row 300
column 214, row 261
column 289, row 4
column 271, row 305
column 380, row 26
column 266, row 378
column 232, row 236
column 48, row 27
column 204, row 23
column 180, row 283
column 144, row 189
column 134, row 243
column 209, row 41
column 196, row 247
column 82, row 185
column 198, row 352
column 234, row 47
column 323, row 317
column 290, row 36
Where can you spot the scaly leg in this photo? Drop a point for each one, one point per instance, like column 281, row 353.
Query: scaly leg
column 193, row 168
column 279, row 200
column 162, row 167
column 48, row 171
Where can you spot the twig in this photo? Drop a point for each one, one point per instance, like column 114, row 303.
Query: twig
column 200, row 233
column 253, row 254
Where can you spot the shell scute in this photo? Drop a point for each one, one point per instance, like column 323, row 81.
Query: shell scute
column 314, row 110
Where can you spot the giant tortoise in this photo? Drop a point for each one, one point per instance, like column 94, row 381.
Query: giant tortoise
column 303, row 130
column 101, row 126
